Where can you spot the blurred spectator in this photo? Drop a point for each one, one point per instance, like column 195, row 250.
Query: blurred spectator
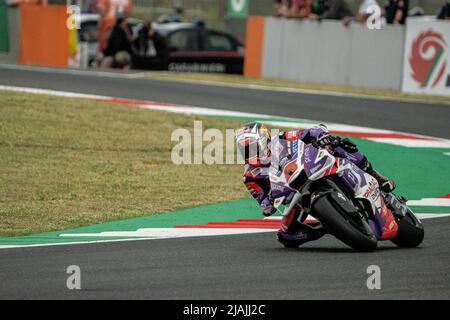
column 178, row 14
column 17, row 2
column 300, row 9
column 318, row 7
column 92, row 6
column 444, row 12
column 150, row 50
column 397, row 11
column 363, row 12
column 281, row 8
column 118, row 50
column 108, row 11
column 199, row 22
column 175, row 17
column 296, row 9
column 337, row 10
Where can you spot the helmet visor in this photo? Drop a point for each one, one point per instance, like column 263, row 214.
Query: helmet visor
column 253, row 150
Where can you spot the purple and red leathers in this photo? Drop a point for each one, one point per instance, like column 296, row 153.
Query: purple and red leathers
column 256, row 179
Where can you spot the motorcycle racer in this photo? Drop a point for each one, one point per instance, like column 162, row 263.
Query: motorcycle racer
column 254, row 144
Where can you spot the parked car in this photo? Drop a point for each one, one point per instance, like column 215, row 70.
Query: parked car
column 189, row 47
column 197, row 49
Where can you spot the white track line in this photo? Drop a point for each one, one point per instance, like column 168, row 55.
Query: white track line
column 77, row 72
column 159, row 234
column 170, row 233
column 68, row 243
column 55, row 93
column 430, row 202
column 414, row 143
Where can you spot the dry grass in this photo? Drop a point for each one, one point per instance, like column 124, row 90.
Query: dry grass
column 66, row 163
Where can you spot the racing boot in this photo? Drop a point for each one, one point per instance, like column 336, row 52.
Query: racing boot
column 300, row 234
column 386, row 185
column 268, row 207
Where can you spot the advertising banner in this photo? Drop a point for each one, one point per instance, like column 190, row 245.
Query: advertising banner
column 426, row 67
column 238, row 8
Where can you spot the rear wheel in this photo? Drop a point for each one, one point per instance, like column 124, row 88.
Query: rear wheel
column 410, row 232
column 353, row 231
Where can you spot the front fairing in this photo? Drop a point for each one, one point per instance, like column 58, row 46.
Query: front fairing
column 293, row 160
column 282, row 153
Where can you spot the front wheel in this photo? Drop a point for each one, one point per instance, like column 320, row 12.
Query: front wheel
column 410, row 232
column 342, row 226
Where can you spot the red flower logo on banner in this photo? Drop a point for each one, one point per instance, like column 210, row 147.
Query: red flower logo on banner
column 427, row 58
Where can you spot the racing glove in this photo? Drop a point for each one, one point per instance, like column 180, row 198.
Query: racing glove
column 326, row 139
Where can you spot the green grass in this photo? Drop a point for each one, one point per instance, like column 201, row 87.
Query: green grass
column 66, row 163
column 276, row 83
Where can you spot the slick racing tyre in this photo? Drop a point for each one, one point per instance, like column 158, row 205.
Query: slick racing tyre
column 356, row 234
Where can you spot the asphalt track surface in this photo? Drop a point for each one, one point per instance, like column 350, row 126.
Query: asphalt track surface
column 244, row 266
column 229, row 267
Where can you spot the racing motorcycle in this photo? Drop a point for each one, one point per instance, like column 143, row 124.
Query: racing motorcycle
column 343, row 198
